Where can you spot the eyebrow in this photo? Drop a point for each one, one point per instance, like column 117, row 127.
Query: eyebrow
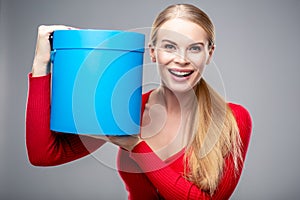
column 170, row 41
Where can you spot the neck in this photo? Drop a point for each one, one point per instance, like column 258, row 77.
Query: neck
column 177, row 102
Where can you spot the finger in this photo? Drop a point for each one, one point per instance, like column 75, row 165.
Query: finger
column 63, row 27
column 102, row 137
column 47, row 30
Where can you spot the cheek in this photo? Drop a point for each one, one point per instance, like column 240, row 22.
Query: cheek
column 164, row 58
column 198, row 61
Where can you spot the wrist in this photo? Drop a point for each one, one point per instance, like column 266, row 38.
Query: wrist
column 40, row 69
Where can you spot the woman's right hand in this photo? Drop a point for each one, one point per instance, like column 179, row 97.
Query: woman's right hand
column 41, row 66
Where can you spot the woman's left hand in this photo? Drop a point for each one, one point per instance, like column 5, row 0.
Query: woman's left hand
column 127, row 142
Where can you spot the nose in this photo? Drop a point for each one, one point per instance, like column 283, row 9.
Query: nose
column 181, row 58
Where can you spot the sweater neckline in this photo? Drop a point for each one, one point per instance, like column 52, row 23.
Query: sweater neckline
column 178, row 154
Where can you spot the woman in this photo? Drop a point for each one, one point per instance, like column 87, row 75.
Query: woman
column 192, row 143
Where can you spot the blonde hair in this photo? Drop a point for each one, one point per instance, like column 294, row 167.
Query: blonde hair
column 215, row 133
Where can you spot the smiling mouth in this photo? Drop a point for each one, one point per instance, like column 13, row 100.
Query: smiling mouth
column 181, row 74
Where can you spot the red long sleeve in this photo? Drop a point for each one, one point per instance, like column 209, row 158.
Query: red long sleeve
column 145, row 175
column 45, row 147
column 167, row 179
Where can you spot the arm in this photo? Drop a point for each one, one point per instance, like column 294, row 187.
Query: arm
column 172, row 185
column 136, row 182
column 44, row 147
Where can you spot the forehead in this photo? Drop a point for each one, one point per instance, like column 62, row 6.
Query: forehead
column 182, row 30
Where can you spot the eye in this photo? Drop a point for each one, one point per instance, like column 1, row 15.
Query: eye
column 195, row 49
column 169, row 47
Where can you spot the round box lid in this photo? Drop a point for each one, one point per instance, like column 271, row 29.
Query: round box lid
column 98, row 39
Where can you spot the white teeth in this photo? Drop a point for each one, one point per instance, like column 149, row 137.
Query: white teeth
column 181, row 73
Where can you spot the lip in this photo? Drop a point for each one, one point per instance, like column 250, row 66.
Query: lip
column 181, row 73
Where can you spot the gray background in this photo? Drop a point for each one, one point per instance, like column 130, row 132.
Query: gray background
column 258, row 58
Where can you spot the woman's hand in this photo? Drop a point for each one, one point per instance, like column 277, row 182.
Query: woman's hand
column 127, row 142
column 41, row 60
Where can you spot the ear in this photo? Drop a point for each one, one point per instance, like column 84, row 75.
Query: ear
column 152, row 52
column 210, row 54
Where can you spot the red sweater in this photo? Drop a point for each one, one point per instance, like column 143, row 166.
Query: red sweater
column 145, row 175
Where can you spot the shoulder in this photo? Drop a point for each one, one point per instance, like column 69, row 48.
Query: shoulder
column 146, row 95
column 244, row 121
column 240, row 113
column 145, row 98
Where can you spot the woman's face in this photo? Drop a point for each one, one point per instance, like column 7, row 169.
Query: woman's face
column 181, row 52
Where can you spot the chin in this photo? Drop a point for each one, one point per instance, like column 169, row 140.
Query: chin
column 180, row 88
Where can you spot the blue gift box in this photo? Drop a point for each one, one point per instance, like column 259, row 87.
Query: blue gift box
column 96, row 82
